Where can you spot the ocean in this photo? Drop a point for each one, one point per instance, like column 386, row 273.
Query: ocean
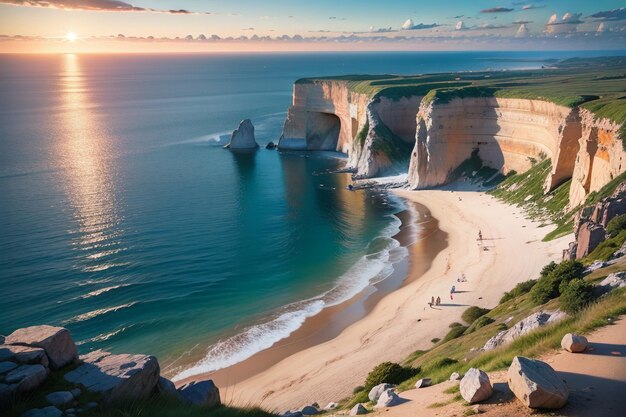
column 124, row 220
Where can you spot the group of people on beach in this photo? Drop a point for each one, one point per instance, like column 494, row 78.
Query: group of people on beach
column 437, row 302
column 434, row 302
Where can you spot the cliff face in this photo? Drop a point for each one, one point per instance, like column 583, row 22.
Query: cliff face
column 375, row 133
column 378, row 135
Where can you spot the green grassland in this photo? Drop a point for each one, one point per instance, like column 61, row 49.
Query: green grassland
column 597, row 84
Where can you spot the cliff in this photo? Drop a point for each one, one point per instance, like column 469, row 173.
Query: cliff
column 427, row 125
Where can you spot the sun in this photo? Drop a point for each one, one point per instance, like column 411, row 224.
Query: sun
column 71, row 36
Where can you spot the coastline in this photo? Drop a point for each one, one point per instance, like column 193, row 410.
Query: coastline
column 401, row 322
column 417, row 228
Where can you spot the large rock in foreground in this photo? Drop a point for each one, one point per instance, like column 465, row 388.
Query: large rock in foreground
column 116, row 377
column 574, row 343
column 201, row 393
column 536, row 384
column 243, row 137
column 55, row 341
column 475, row 386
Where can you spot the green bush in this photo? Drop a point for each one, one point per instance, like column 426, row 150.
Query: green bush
column 472, row 313
column 521, row 288
column 455, row 324
column 547, row 269
column 576, row 295
column 480, row 322
column 454, row 332
column 358, row 389
column 616, row 225
column 439, row 363
column 389, row 372
column 435, row 340
column 548, row 287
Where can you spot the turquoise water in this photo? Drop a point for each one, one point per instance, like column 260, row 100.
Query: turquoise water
column 124, row 220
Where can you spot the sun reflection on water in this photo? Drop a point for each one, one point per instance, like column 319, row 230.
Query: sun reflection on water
column 84, row 152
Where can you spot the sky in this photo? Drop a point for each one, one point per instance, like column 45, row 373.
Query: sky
column 294, row 25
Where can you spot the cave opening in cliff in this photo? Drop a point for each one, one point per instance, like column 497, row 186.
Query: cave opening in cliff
column 322, row 131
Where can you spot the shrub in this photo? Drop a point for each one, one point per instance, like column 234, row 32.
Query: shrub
column 480, row 322
column 472, row 313
column 440, row 363
column 358, row 389
column 435, row 340
column 548, row 286
column 455, row 324
column 389, row 372
column 616, row 225
column 577, row 294
column 455, row 332
column 521, row 288
column 547, row 269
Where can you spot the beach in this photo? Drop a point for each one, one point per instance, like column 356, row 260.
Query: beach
column 402, row 321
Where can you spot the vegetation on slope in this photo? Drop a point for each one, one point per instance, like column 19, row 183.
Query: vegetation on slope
column 462, row 352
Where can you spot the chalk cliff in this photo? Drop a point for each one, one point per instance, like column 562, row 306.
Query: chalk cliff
column 381, row 134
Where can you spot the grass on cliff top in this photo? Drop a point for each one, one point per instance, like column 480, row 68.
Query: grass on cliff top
column 456, row 355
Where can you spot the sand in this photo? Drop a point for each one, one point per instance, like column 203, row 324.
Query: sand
column 402, row 322
column 596, row 380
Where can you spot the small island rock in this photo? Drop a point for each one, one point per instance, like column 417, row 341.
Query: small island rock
column 243, row 137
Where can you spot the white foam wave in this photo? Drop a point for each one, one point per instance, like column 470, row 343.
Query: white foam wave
column 102, row 290
column 96, row 313
column 368, row 270
column 102, row 337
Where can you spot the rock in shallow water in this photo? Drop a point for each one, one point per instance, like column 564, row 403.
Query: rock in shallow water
column 116, row 377
column 56, row 341
column 243, row 137
column 475, row 386
column 536, row 384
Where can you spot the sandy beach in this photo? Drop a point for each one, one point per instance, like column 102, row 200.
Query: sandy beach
column 402, row 322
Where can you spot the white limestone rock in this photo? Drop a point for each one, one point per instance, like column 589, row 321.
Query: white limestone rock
column 201, row 393
column 574, row 343
column 377, row 391
column 331, row 406
column 116, row 377
column 536, row 384
column 534, row 321
column 423, row 383
column 358, row 409
column 243, row 137
column 56, row 341
column 455, row 376
column 388, row 398
column 476, row 386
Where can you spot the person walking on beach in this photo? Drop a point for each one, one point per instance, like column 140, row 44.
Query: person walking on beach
column 452, row 290
column 438, row 301
column 432, row 301
column 480, row 235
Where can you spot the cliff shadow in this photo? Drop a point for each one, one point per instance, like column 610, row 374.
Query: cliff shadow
column 322, row 131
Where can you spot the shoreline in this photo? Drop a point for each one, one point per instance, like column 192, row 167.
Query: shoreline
column 401, row 321
column 417, row 225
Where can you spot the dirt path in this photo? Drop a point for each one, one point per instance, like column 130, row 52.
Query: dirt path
column 596, row 380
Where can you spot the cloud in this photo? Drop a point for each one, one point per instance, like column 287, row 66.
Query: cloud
column 533, row 6
column 93, row 5
column 380, row 30
column 409, row 25
column 567, row 24
column 522, row 32
column 497, row 10
column 615, row 14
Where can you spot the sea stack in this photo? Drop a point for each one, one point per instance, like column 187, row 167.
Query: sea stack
column 243, row 137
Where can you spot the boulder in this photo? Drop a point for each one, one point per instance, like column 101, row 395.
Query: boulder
column 423, row 383
column 574, row 343
column 59, row 398
column 388, row 398
column 116, row 377
column 612, row 281
column 76, row 392
column 56, row 341
column 377, row 391
column 43, row 412
column 454, row 376
column 475, row 386
column 358, row 410
column 243, row 137
column 331, row 406
column 536, row 384
column 6, row 394
column 292, row 414
column 270, row 145
column 201, row 393
column 27, row 377
column 309, row 410
column 166, row 387
column 6, row 367
column 24, row 354
column 534, row 321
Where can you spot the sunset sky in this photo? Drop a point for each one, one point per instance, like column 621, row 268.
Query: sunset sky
column 274, row 25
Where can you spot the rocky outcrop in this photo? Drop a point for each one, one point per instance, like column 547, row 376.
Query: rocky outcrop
column 574, row 343
column 476, row 386
column 536, row 384
column 612, row 281
column 388, row 398
column 201, row 393
column 55, row 341
column 534, row 321
column 358, row 410
column 243, row 137
column 116, row 377
column 590, row 223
